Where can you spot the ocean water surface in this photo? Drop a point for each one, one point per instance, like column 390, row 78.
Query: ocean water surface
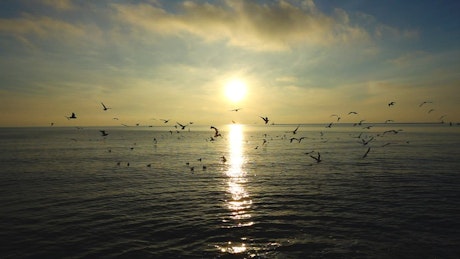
column 391, row 191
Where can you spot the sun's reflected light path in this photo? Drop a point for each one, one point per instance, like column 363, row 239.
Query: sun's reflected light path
column 239, row 202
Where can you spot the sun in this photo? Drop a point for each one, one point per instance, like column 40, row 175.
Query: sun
column 235, row 90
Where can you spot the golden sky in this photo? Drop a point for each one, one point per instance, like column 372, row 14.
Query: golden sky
column 299, row 61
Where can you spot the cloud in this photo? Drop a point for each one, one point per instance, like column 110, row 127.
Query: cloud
column 261, row 27
column 62, row 5
column 383, row 31
column 41, row 27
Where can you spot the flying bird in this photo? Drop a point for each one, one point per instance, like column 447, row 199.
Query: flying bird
column 358, row 123
column 298, row 139
column 391, row 104
column 365, row 154
column 104, row 133
column 105, row 108
column 216, row 132
column 352, row 113
column 318, row 158
column 265, row 119
column 423, row 103
column 164, row 121
column 73, row 116
column 235, row 110
column 182, row 126
column 391, row 131
column 295, row 130
column 367, row 142
column 431, row 110
column 335, row 115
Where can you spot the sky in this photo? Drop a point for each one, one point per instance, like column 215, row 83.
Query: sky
column 300, row 61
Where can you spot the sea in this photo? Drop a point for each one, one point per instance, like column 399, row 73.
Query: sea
column 232, row 191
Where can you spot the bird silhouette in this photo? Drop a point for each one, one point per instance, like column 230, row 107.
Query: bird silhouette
column 391, row 104
column 216, row 132
column 295, row 130
column 73, row 116
column 424, row 102
column 182, row 126
column 335, row 115
column 235, row 110
column 105, row 108
column 358, row 123
column 104, row 133
column 298, row 139
column 318, row 158
column 365, row 142
column 265, row 119
column 367, row 152
column 391, row 131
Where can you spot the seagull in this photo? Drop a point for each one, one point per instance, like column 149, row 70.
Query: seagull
column 391, row 104
column 352, row 113
column 165, row 121
column 295, row 131
column 367, row 142
column 365, row 154
column 235, row 110
column 330, row 125
column 391, row 131
column 103, row 133
column 216, row 134
column 73, row 116
column 358, row 123
column 182, row 126
column 223, row 159
column 335, row 115
column 430, row 110
column 105, row 108
column 423, row 103
column 318, row 159
column 388, row 121
column 298, row 139
column 265, row 119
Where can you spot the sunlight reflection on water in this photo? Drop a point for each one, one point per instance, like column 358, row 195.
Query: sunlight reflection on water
column 240, row 203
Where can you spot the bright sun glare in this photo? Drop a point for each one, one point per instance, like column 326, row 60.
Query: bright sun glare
column 235, row 90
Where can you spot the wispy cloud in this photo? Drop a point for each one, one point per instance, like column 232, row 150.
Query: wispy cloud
column 62, row 5
column 268, row 27
column 303, row 61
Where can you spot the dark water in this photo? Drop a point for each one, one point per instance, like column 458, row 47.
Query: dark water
column 63, row 193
